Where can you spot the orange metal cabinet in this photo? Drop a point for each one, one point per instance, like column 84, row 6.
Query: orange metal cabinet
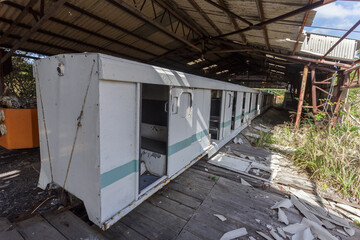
column 21, row 129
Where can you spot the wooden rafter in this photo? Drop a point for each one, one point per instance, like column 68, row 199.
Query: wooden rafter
column 19, row 18
column 51, row 11
column 205, row 16
column 262, row 19
column 281, row 17
column 133, row 11
column 226, row 9
column 231, row 18
column 111, row 24
column 301, row 29
column 69, row 39
column 81, row 29
column 165, row 5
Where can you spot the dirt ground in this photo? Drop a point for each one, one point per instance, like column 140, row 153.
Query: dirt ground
column 19, row 173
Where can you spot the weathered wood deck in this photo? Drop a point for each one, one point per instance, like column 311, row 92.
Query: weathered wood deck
column 184, row 209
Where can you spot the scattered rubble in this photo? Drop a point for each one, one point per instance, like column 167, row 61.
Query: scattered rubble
column 285, row 203
column 238, row 140
column 262, row 128
column 252, row 135
column 243, row 182
column 317, row 220
column 264, row 235
column 221, row 217
column 234, row 234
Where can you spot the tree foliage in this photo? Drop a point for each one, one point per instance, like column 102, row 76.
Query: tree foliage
column 20, row 82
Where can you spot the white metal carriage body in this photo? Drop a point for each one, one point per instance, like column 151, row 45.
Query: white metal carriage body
column 130, row 127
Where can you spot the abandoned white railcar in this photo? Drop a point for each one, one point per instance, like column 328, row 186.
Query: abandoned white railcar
column 113, row 131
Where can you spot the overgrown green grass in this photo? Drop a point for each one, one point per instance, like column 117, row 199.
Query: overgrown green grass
column 331, row 154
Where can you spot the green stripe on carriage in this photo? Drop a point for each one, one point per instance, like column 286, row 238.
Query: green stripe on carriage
column 118, row 173
column 187, row 142
column 225, row 124
column 238, row 117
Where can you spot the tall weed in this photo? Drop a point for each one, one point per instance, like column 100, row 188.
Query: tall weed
column 330, row 154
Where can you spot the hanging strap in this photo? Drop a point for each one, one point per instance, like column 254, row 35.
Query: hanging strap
column 77, row 129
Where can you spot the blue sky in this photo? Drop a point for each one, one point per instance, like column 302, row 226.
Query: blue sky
column 338, row 15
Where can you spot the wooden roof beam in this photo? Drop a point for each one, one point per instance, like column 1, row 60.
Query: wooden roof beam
column 58, row 36
column 19, row 18
column 61, row 22
column 179, row 17
column 93, row 16
column 50, row 12
column 281, row 17
column 260, row 8
column 230, row 13
column 301, row 29
column 205, row 16
column 172, row 4
column 66, row 49
column 133, row 11
column 231, row 18
column 74, row 8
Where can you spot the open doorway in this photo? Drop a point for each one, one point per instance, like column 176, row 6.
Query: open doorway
column 233, row 115
column 153, row 133
column 250, row 102
column 215, row 114
column 256, row 101
column 243, row 109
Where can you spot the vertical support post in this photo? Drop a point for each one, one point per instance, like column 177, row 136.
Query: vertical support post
column 339, row 94
column 1, row 74
column 313, row 91
column 301, row 96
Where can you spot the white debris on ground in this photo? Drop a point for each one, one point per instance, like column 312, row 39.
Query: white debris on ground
column 318, row 218
column 234, row 234
column 221, row 217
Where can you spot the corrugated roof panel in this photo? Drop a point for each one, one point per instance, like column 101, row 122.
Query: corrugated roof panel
column 108, row 11
column 161, row 38
column 136, row 54
column 196, row 16
column 316, row 44
column 147, row 9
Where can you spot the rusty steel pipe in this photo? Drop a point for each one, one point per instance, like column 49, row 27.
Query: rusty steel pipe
column 301, row 96
column 313, row 91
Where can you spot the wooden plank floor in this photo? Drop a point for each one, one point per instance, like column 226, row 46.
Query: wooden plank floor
column 184, row 209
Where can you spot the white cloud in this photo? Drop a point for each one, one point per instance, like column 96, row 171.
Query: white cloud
column 337, row 10
column 320, row 31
